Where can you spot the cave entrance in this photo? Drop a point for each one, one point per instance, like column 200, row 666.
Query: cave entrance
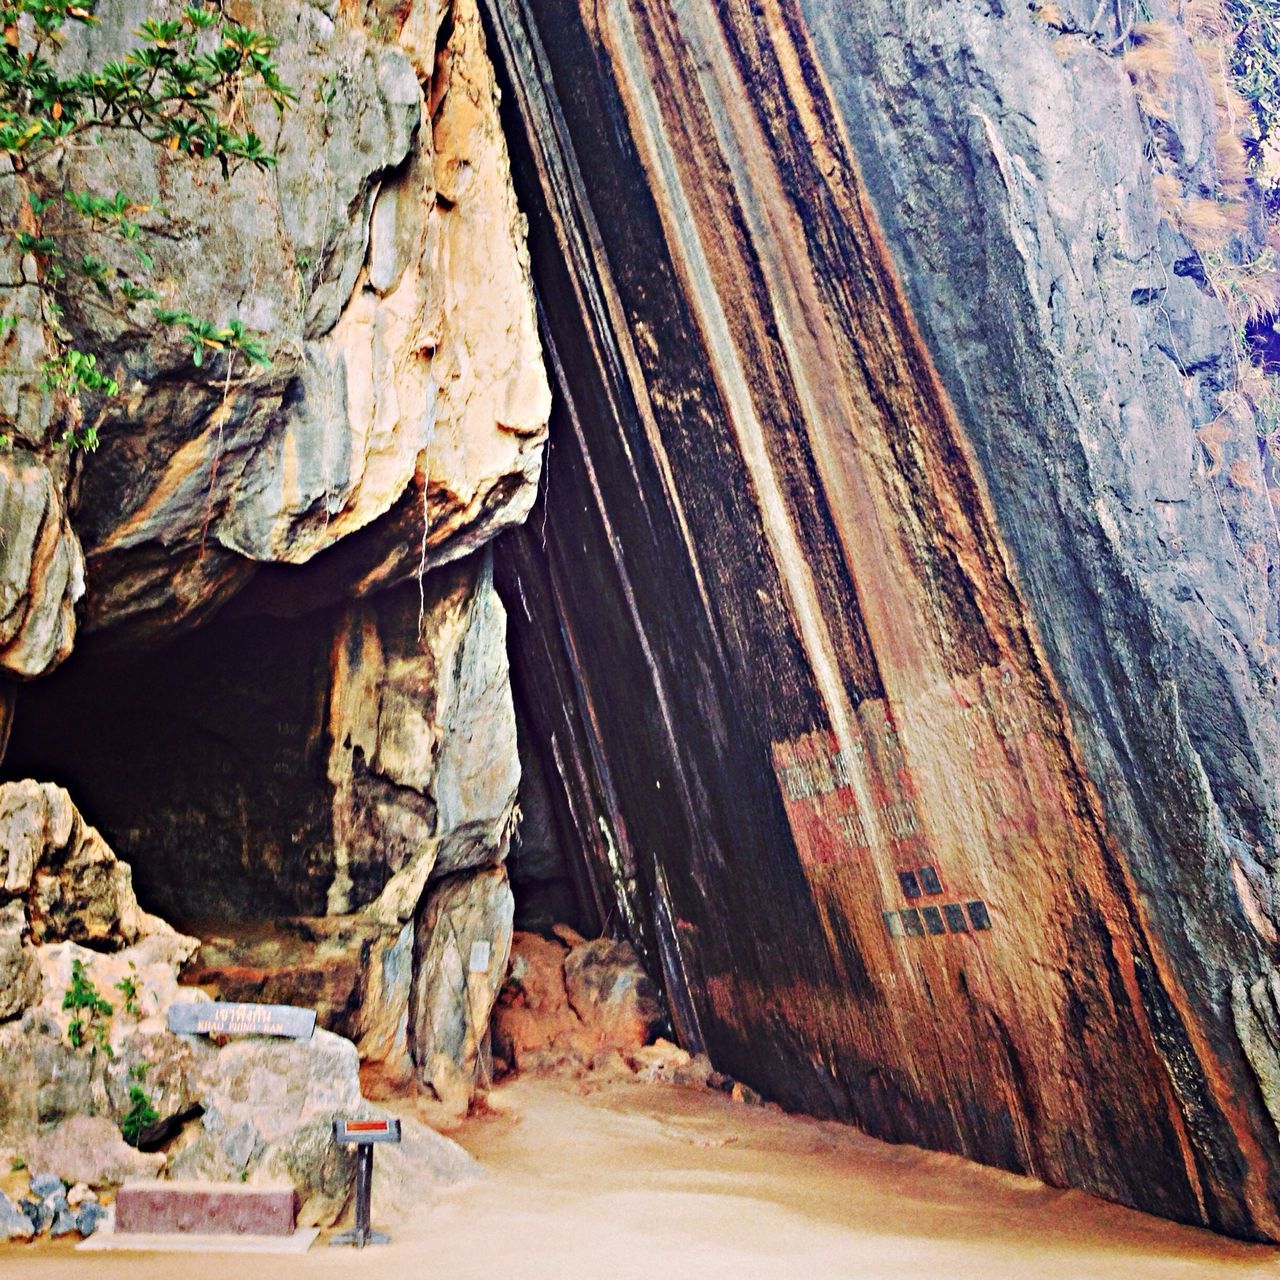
column 202, row 762
column 313, row 795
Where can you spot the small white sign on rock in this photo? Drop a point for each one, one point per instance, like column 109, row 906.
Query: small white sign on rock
column 481, row 952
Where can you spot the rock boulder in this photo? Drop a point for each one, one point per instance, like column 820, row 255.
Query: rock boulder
column 20, row 979
column 572, row 1007
column 269, row 1107
column 612, row 994
column 14, row 1224
column 463, row 943
column 74, row 887
column 89, row 1149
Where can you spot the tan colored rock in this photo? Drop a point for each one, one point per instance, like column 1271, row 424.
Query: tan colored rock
column 408, row 401
column 422, row 1161
column 610, row 991
column 566, row 933
column 89, row 1149
column 665, row 1063
column 74, row 887
column 489, row 361
column 533, row 1016
column 41, row 569
column 354, row 972
column 566, row 1009
column 383, row 1034
column 423, row 760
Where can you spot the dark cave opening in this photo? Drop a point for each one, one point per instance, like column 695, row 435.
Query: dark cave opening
column 205, row 763
column 201, row 762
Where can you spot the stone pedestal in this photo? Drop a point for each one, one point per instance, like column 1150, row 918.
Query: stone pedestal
column 205, row 1208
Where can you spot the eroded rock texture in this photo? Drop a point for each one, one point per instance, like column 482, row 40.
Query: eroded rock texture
column 462, row 948
column 252, row 1109
column 41, row 570
column 905, row 658
column 382, row 259
column 346, row 763
column 288, row 704
column 63, row 875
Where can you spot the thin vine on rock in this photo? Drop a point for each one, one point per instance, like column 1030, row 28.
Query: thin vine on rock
column 175, row 90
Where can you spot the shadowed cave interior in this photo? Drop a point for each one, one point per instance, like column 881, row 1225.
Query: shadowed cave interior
column 203, row 763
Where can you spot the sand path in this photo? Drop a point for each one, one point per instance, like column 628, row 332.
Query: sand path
column 638, row 1181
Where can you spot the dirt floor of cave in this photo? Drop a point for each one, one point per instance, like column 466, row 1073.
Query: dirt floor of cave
column 628, row 1180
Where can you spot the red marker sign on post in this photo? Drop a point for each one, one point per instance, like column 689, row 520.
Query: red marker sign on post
column 363, row 1134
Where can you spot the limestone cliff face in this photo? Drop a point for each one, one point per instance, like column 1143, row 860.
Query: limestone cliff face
column 281, row 686
column 919, row 709
column 897, row 641
column 383, row 259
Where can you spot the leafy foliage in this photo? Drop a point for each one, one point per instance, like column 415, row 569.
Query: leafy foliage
column 89, row 1026
column 177, row 89
column 140, row 1116
column 128, row 988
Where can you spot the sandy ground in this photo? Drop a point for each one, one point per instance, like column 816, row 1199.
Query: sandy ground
column 637, row 1181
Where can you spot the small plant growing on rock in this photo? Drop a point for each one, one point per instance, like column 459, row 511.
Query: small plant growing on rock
column 89, row 1025
column 128, row 988
column 140, row 1116
column 180, row 89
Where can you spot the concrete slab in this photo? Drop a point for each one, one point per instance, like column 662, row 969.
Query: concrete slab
column 105, row 1240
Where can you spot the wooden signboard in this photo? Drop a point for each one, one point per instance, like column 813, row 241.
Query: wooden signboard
column 216, row 1018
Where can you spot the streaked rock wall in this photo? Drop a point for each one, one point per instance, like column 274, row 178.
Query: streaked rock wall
column 906, row 661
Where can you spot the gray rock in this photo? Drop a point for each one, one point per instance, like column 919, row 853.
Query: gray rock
column 46, row 1080
column 463, row 945
column 165, row 1066
column 20, row 980
column 88, row 1216
column 15, row 1224
column 269, row 1107
column 74, row 887
column 478, row 769
column 322, row 1171
column 90, row 1149
column 38, row 1213
column 45, row 1185
column 240, row 1143
column 269, row 1112
column 64, row 1223
column 424, row 767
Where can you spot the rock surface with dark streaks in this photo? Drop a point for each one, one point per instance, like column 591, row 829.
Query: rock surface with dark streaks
column 905, row 658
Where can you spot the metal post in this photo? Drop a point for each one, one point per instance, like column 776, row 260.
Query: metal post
column 363, row 1134
column 364, row 1195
